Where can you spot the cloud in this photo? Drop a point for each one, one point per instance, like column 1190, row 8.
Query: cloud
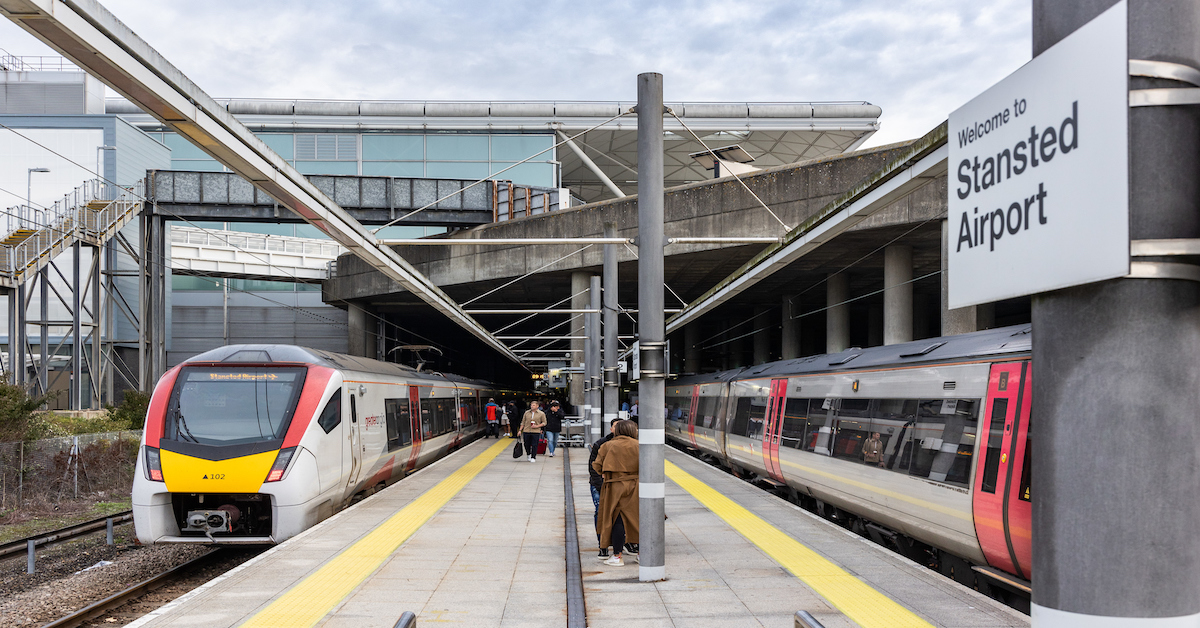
column 918, row 59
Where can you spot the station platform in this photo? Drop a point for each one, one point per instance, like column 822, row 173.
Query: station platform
column 478, row 538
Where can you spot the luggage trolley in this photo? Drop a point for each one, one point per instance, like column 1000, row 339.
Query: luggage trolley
column 573, row 435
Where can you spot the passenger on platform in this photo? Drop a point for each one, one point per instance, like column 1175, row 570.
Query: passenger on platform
column 617, row 461
column 873, row 450
column 492, row 415
column 531, row 428
column 554, row 420
column 633, row 412
column 510, row 409
column 595, row 480
column 504, row 422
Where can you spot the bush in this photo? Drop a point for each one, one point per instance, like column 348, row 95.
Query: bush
column 17, row 418
column 131, row 414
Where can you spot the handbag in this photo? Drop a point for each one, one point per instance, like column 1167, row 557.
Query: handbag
column 518, row 450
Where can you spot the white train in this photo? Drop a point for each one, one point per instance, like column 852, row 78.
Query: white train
column 951, row 485
column 253, row 444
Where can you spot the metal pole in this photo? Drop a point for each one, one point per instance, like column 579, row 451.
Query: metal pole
column 108, row 528
column 75, row 462
column 44, row 338
column 15, row 351
column 29, row 556
column 1114, row 378
column 590, row 436
column 612, row 379
column 651, row 393
column 593, row 359
column 76, row 402
column 591, row 165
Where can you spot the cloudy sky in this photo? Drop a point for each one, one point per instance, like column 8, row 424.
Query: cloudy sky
column 918, row 59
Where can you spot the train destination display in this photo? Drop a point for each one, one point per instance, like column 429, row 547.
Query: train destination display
column 1038, row 172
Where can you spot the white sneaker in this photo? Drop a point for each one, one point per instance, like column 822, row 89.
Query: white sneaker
column 551, row 454
column 531, row 458
column 615, row 561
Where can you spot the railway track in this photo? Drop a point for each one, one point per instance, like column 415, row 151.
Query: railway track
column 64, row 534
column 112, row 602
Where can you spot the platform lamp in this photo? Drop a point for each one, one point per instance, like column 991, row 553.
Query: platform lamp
column 29, row 191
column 730, row 159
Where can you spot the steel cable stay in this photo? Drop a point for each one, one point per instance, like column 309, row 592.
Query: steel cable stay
column 492, row 175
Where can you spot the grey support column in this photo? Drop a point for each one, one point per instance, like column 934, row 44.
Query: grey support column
column 837, row 317
column 579, row 301
column 651, row 329
column 14, row 352
column 897, row 294
column 77, row 288
column 612, row 378
column 594, row 370
column 959, row 320
column 762, row 336
column 1115, row 450
column 791, row 329
column 358, row 325
column 591, row 428
column 43, row 367
column 691, row 347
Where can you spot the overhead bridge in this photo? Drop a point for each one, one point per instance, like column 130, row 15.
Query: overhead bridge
column 92, row 38
column 227, row 196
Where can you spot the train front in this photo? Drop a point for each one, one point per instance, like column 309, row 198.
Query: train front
column 222, row 457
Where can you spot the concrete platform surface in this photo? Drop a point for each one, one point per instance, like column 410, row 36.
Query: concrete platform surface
column 478, row 539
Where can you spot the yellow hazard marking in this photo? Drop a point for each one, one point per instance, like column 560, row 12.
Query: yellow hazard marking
column 861, row 603
column 188, row 474
column 306, row 603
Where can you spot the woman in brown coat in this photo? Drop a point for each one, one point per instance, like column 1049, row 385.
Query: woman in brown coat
column 617, row 461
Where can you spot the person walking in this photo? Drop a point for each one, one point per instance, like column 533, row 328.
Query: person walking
column 531, row 428
column 617, row 461
column 510, row 410
column 492, row 416
column 554, row 420
column 595, row 481
column 633, row 412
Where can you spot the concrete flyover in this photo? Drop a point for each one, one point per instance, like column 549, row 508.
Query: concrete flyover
column 831, row 296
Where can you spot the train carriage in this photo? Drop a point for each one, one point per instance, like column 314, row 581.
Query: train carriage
column 952, row 414
column 256, row 443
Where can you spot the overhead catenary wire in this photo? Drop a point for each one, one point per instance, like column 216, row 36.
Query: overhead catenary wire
column 786, row 228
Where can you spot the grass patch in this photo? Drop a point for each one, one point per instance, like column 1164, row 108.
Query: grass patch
column 33, row 519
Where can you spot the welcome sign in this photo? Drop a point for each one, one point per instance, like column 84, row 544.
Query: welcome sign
column 1039, row 174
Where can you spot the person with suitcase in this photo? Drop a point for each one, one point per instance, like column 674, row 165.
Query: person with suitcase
column 531, row 429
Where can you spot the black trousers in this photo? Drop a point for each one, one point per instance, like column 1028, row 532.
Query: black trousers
column 531, row 443
column 618, row 536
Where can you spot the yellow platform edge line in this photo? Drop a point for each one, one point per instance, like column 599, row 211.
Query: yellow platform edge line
column 314, row 597
column 853, row 597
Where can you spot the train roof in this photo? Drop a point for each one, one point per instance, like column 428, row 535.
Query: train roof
column 292, row 354
column 1004, row 341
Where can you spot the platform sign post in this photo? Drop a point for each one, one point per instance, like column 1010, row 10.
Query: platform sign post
column 1038, row 178
column 651, row 330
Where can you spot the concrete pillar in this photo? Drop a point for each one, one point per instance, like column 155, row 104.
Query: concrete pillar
column 1115, row 446
column 790, row 346
column 837, row 317
column 612, row 376
column 959, row 320
column 579, row 301
column 897, row 294
column 691, row 348
column 762, row 337
column 361, row 332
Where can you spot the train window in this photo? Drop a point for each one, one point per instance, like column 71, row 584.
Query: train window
column 895, row 409
column 991, row 464
column 678, row 406
column 748, row 417
column 706, row 412
column 331, row 416
column 859, row 408
column 231, row 406
column 795, row 423
column 399, row 423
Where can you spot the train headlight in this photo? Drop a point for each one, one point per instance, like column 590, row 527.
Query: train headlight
column 281, row 463
column 153, row 465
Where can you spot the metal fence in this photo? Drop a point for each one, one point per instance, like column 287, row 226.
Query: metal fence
column 58, row 469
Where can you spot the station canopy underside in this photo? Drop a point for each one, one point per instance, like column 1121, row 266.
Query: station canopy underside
column 772, row 133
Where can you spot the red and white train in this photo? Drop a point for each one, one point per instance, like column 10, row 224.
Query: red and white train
column 951, row 488
column 256, row 443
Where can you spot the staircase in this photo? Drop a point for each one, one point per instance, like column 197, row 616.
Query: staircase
column 35, row 237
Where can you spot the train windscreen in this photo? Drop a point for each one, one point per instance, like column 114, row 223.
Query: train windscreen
column 233, row 406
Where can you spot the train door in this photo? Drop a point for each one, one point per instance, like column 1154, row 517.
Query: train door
column 773, row 424
column 353, row 453
column 1002, row 525
column 691, row 420
column 414, row 414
